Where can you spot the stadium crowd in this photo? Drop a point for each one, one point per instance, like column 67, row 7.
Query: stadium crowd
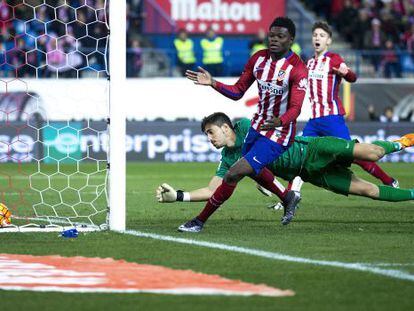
column 69, row 38
column 62, row 38
column 383, row 29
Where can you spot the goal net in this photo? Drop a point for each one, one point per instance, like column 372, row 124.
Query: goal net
column 54, row 114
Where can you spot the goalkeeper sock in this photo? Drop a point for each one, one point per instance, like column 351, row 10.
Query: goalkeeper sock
column 390, row 194
column 388, row 146
column 222, row 193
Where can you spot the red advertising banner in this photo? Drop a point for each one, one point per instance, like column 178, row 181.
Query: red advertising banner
column 224, row 16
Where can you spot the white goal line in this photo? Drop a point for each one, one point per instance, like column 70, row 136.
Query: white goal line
column 365, row 267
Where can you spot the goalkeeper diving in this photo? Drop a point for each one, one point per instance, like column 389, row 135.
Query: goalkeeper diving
column 322, row 161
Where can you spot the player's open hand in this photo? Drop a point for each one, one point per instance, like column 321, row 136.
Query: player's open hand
column 202, row 77
column 271, row 124
column 341, row 71
column 166, row 194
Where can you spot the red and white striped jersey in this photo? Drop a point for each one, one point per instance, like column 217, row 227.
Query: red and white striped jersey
column 324, row 84
column 282, row 87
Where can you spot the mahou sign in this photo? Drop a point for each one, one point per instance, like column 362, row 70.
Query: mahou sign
column 224, row 16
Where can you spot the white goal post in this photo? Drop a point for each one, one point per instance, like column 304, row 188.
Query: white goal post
column 117, row 69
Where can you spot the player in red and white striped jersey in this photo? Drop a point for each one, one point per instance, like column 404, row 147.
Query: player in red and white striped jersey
column 281, row 85
column 325, row 74
column 326, row 70
column 282, row 81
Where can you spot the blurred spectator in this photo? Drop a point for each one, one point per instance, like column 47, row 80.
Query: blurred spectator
column 387, row 116
column 374, row 40
column 134, row 59
column 56, row 60
column 321, row 7
column 391, row 61
column 362, row 25
column 184, row 48
column 135, row 17
column 345, row 20
column 389, row 25
column 258, row 43
column 28, row 37
column 212, row 47
column 408, row 40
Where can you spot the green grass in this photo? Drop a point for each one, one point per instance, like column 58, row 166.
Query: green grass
column 327, row 227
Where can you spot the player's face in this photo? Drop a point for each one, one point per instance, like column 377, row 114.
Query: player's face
column 216, row 135
column 320, row 40
column 280, row 40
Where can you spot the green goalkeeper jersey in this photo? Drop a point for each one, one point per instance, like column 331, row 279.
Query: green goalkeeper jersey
column 229, row 156
column 287, row 166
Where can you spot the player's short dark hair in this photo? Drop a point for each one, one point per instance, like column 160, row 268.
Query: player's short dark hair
column 322, row 25
column 285, row 22
column 217, row 118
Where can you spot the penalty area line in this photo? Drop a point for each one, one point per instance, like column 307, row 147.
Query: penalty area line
column 395, row 274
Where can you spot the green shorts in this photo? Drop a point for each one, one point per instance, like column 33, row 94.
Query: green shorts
column 335, row 178
column 327, row 164
column 327, row 151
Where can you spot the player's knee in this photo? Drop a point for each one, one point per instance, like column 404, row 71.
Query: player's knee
column 231, row 177
column 379, row 152
column 376, row 153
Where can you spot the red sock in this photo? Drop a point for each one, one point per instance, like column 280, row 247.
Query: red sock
column 222, row 193
column 265, row 179
column 375, row 170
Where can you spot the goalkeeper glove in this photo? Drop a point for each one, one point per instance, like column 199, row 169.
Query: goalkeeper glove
column 166, row 194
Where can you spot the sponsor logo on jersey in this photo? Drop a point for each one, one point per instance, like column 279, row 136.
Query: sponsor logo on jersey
column 303, row 84
column 318, row 75
column 272, row 88
column 281, row 75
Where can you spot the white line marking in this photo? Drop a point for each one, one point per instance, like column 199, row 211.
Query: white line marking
column 386, row 264
column 34, row 193
column 396, row 274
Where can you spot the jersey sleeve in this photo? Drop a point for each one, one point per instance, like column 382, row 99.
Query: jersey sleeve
column 337, row 60
column 298, row 86
column 222, row 168
column 237, row 90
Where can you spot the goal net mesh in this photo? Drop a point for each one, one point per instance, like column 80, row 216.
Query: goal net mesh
column 54, row 107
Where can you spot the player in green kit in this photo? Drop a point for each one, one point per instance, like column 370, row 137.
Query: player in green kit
column 322, row 161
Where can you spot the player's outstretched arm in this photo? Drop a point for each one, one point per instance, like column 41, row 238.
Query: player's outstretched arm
column 234, row 92
column 167, row 194
column 202, row 77
column 345, row 72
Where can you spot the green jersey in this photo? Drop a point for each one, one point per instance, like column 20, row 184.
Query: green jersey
column 306, row 157
column 322, row 161
column 287, row 166
column 230, row 155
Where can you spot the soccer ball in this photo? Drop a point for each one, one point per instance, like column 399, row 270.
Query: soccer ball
column 5, row 215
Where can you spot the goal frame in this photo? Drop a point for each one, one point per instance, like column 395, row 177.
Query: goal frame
column 116, row 217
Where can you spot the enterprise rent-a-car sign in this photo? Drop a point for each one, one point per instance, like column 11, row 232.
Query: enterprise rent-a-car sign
column 154, row 141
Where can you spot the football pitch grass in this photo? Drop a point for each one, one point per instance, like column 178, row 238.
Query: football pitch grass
column 327, row 228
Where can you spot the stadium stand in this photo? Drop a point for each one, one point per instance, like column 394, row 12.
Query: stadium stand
column 158, row 56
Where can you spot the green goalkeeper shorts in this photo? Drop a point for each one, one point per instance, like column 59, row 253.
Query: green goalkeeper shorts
column 327, row 164
column 328, row 151
column 335, row 178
